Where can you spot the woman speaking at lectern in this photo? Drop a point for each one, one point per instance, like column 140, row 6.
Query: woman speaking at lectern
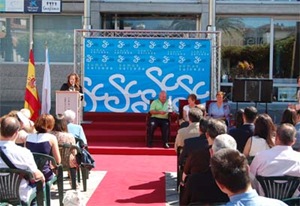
column 72, row 84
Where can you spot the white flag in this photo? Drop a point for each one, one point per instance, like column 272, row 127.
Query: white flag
column 46, row 93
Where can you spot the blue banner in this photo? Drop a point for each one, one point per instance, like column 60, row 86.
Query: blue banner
column 123, row 74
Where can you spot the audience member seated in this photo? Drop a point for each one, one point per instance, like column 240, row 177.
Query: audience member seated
column 74, row 129
column 296, row 146
column 281, row 159
column 219, row 109
column 30, row 126
column 159, row 118
column 202, row 108
column 20, row 157
column 242, row 134
column 192, row 130
column 200, row 185
column 214, row 128
column 185, row 111
column 264, row 136
column 239, row 121
column 44, row 142
column 289, row 116
column 223, row 141
column 194, row 143
column 24, row 126
column 60, row 130
column 231, row 172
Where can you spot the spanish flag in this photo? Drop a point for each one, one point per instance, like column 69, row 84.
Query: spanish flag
column 32, row 101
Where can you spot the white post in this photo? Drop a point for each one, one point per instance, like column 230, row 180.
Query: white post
column 87, row 14
column 215, row 74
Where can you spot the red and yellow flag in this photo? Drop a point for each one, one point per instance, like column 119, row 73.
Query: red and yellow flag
column 32, row 101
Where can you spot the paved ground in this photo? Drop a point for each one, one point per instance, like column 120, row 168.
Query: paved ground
column 96, row 177
column 94, row 180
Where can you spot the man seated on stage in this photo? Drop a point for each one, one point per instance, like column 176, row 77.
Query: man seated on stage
column 231, row 171
column 159, row 118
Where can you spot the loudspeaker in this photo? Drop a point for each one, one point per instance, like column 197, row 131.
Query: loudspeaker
column 252, row 90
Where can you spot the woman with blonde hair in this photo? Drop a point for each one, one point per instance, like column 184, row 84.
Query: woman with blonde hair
column 219, row 109
column 73, row 83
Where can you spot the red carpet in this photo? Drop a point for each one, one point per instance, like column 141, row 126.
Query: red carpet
column 132, row 180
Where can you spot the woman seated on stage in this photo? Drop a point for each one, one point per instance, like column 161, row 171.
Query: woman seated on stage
column 185, row 111
column 219, row 109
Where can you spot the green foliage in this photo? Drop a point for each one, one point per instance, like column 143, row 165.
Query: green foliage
column 258, row 55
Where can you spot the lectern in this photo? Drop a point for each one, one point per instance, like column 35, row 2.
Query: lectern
column 69, row 100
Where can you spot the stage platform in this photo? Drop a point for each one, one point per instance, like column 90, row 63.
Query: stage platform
column 123, row 134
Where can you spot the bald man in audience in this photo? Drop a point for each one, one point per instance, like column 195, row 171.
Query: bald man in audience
column 281, row 159
column 20, row 157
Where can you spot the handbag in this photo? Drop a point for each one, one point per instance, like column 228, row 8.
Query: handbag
column 84, row 157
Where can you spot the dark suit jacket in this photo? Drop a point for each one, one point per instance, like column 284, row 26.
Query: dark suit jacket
column 241, row 135
column 191, row 145
column 201, row 187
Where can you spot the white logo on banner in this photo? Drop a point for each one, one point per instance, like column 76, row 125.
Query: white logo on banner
column 166, row 45
column 121, row 58
column 152, row 45
column 136, row 44
column 152, row 59
column 125, row 89
column 136, row 59
column 89, row 58
column 105, row 44
column 181, row 45
column 105, row 58
column 121, row 44
column 181, row 59
column 198, row 45
column 166, row 59
column 89, row 43
column 197, row 60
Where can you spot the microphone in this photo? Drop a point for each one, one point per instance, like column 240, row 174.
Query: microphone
column 72, row 88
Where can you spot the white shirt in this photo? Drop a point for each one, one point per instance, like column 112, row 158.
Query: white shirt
column 257, row 145
column 277, row 161
column 186, row 108
column 22, row 158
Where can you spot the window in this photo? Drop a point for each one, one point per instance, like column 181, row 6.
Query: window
column 14, row 39
column 245, row 46
column 286, row 49
column 58, row 33
column 149, row 22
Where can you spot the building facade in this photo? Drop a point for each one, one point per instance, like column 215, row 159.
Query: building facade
column 260, row 39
